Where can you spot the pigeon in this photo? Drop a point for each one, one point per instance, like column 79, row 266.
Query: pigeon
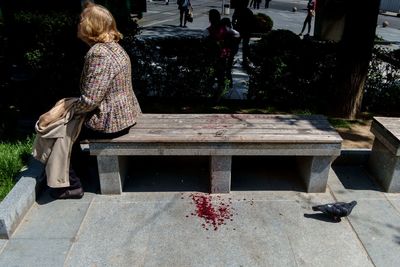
column 336, row 210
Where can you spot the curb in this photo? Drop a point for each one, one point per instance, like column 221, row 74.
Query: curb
column 20, row 199
column 389, row 14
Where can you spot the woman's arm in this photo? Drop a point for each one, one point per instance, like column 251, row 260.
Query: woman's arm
column 96, row 78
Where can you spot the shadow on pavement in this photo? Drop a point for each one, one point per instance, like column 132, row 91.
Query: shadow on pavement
column 356, row 178
column 167, row 173
column 191, row 173
column 320, row 217
column 265, row 173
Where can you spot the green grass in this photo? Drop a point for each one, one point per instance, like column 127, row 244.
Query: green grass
column 340, row 123
column 13, row 156
column 343, row 123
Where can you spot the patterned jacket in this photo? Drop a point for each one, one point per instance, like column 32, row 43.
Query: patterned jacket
column 106, row 89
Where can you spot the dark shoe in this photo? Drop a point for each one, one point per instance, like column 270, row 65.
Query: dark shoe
column 66, row 193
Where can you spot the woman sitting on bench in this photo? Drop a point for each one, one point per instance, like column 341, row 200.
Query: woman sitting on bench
column 107, row 98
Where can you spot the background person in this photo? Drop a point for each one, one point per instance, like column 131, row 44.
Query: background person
column 308, row 19
column 183, row 6
column 231, row 47
column 256, row 4
column 243, row 21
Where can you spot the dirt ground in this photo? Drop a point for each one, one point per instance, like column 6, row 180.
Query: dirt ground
column 358, row 136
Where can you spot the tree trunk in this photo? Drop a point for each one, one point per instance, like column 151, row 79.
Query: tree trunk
column 354, row 56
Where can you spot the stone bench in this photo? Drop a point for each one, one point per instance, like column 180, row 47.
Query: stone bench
column 221, row 136
column 384, row 161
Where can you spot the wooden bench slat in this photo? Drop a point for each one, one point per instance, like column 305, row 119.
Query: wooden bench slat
column 196, row 124
column 232, row 120
column 212, row 138
column 229, row 132
column 231, row 127
column 237, row 116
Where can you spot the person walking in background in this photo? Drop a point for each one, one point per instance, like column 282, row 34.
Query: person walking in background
column 231, row 47
column 107, row 99
column 216, row 34
column 267, row 3
column 243, row 21
column 225, row 41
column 183, row 6
column 256, row 4
column 308, row 19
column 251, row 3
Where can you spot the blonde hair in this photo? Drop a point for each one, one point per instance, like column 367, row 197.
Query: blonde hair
column 97, row 25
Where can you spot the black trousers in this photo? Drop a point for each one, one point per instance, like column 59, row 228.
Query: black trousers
column 81, row 161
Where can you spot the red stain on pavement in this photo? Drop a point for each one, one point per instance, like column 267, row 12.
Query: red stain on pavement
column 214, row 214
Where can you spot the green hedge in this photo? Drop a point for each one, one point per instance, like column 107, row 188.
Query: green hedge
column 382, row 88
column 175, row 67
column 44, row 58
column 291, row 73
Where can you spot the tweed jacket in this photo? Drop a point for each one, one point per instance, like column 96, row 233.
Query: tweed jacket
column 106, row 89
column 56, row 131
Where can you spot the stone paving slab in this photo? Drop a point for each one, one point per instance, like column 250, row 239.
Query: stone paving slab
column 60, row 219
column 354, row 183
column 3, row 243
column 269, row 227
column 375, row 219
column 263, row 232
column 35, row 252
column 377, row 224
column 114, row 234
column 247, row 240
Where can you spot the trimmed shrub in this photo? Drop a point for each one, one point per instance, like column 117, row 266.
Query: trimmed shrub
column 178, row 67
column 382, row 88
column 263, row 23
column 44, row 58
column 290, row 73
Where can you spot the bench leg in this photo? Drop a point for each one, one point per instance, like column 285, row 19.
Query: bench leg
column 385, row 166
column 111, row 178
column 315, row 171
column 220, row 173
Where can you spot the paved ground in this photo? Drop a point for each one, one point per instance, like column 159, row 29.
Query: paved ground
column 280, row 11
column 159, row 220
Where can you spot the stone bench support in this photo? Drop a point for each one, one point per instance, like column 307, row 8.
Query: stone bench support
column 314, row 172
column 220, row 174
column 384, row 162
